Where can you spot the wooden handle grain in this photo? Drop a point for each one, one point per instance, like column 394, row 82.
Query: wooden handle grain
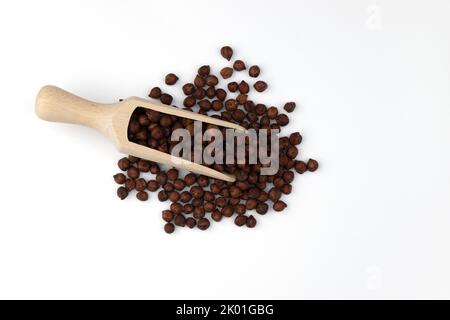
column 57, row 105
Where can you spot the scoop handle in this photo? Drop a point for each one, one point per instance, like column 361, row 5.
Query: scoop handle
column 57, row 105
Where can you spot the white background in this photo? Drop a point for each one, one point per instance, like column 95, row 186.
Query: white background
column 371, row 79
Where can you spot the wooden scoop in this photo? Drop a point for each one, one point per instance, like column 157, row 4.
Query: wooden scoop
column 58, row 105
